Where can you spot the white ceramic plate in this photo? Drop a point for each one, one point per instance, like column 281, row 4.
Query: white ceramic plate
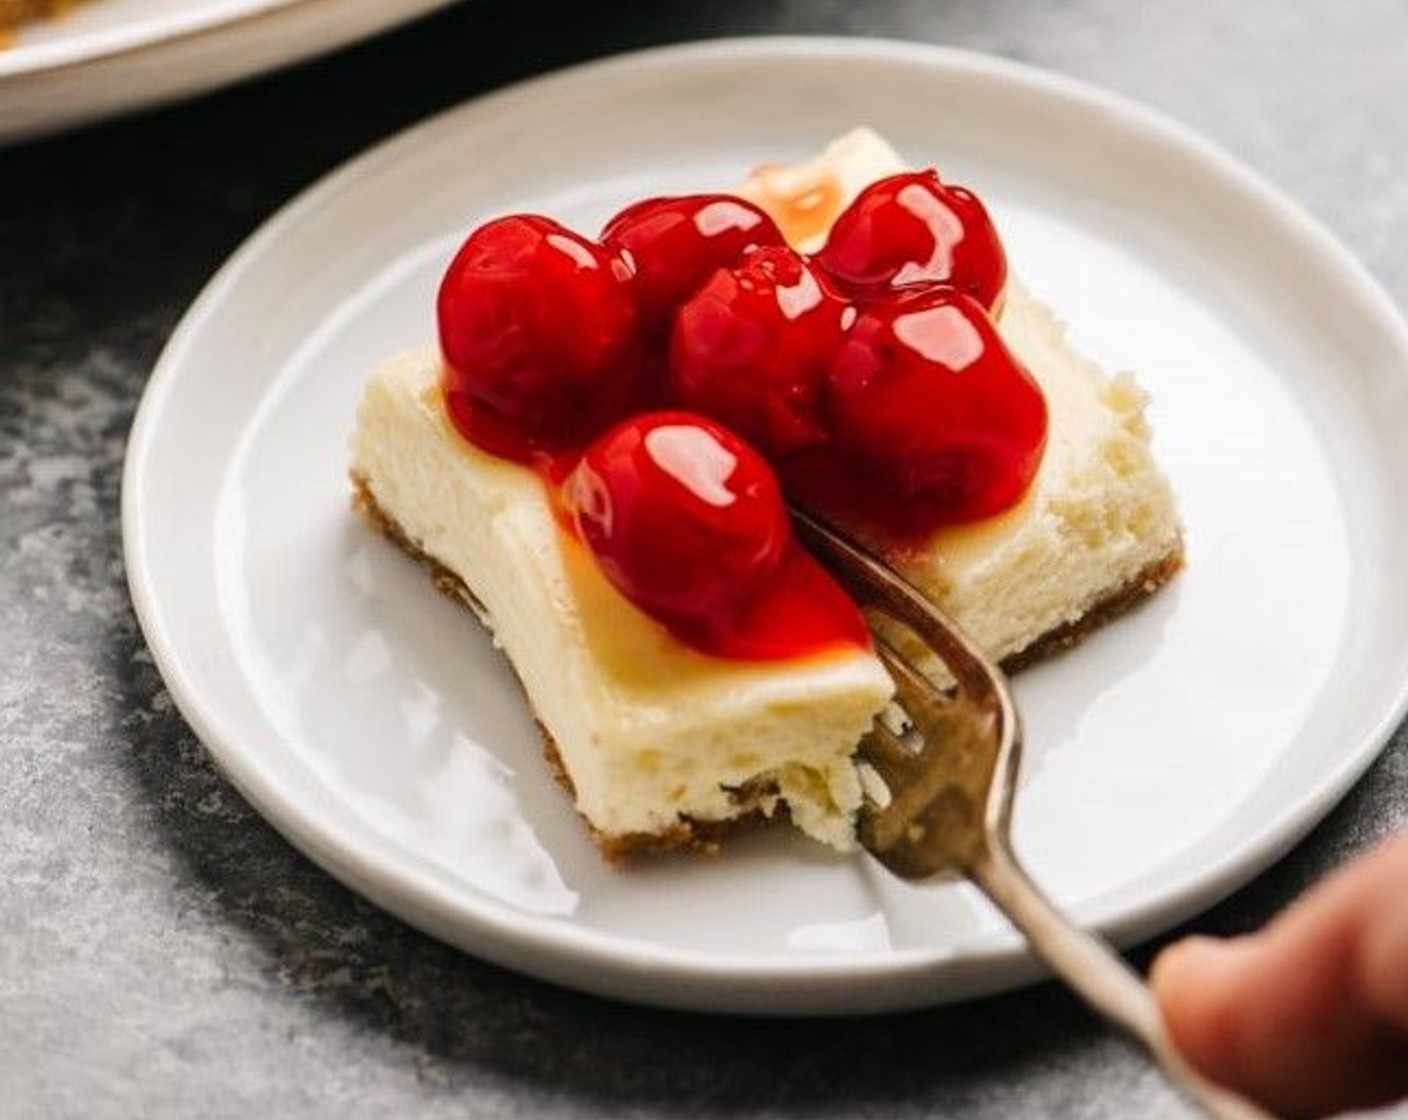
column 1170, row 758
column 108, row 56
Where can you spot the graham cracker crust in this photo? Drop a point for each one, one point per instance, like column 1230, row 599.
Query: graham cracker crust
column 708, row 836
column 1121, row 600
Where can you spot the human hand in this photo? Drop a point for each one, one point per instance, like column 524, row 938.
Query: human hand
column 1310, row 1015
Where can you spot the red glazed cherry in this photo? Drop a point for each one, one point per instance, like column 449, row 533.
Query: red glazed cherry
column 937, row 418
column 684, row 517
column 752, row 346
column 675, row 244
column 687, row 521
column 538, row 329
column 913, row 229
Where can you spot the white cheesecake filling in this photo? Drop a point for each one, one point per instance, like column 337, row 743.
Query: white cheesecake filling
column 648, row 730
column 1098, row 518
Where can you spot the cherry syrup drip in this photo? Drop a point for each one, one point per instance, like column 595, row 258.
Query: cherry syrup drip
column 870, row 379
column 688, row 522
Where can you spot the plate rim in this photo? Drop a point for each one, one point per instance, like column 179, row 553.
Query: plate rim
column 24, row 58
column 129, row 38
column 810, row 983
column 162, row 57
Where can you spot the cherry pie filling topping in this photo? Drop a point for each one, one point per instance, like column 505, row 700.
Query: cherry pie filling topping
column 671, row 380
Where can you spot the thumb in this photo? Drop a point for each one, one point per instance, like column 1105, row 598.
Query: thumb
column 1311, row 1015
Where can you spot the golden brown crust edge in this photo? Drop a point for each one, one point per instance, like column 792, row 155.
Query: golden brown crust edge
column 707, row 836
column 1118, row 602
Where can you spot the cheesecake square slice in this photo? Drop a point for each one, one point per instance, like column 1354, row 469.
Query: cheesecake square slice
column 662, row 745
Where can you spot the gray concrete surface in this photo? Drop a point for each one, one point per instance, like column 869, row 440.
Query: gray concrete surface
column 163, row 953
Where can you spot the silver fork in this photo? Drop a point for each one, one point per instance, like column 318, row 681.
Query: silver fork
column 948, row 776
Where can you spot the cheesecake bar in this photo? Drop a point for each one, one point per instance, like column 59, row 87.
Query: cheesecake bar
column 663, row 743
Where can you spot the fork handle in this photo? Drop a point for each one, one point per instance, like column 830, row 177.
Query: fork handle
column 1099, row 975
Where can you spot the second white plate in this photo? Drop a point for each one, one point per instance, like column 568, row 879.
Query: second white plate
column 114, row 55
column 1170, row 758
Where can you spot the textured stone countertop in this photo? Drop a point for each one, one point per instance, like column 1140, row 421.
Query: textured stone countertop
column 163, row 952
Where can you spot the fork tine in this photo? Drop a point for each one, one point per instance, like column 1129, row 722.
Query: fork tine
column 875, row 585
column 912, row 687
column 950, row 803
column 895, row 755
column 888, row 756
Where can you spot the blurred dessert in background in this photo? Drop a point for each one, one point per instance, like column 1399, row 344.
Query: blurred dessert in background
column 13, row 13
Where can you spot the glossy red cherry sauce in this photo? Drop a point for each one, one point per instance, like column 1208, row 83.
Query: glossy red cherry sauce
column 687, row 521
column 913, row 229
column 877, row 388
column 934, row 420
column 538, row 327
column 752, row 346
column 675, row 244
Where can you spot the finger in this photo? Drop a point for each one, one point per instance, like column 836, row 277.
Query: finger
column 1311, row 1015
